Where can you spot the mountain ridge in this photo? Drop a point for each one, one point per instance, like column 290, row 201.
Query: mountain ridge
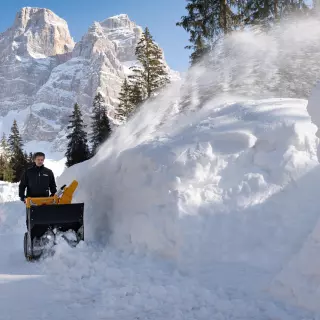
column 47, row 71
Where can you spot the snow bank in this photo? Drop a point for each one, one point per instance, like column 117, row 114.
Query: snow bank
column 12, row 217
column 313, row 109
column 228, row 193
column 233, row 157
column 299, row 280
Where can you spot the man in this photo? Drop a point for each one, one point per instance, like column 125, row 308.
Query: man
column 38, row 180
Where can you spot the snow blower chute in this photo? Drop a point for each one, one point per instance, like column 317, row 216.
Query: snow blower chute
column 52, row 218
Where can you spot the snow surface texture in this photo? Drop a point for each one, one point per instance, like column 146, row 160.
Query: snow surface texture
column 193, row 218
column 212, row 192
column 10, row 220
column 313, row 109
column 300, row 278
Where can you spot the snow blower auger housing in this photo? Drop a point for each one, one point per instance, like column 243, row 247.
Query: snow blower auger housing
column 50, row 217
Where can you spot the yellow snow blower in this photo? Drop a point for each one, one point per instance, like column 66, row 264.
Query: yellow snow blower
column 51, row 219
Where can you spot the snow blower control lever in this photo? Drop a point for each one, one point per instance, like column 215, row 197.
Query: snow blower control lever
column 60, row 192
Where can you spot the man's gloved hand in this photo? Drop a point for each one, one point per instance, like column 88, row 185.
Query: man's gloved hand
column 23, row 199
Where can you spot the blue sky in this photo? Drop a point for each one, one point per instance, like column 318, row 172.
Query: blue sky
column 160, row 16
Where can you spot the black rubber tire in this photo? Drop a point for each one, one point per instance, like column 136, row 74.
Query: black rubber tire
column 25, row 243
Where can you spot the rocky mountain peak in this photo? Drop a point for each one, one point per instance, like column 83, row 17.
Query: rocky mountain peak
column 118, row 21
column 39, row 31
column 36, row 16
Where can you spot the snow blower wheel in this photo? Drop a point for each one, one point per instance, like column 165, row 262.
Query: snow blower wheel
column 27, row 247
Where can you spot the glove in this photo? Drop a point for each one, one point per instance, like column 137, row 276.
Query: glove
column 23, row 199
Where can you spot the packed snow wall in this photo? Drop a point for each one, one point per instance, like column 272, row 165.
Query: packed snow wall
column 218, row 184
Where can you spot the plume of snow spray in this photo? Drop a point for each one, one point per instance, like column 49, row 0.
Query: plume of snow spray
column 246, row 64
column 283, row 62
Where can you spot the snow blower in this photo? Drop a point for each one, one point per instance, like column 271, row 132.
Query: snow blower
column 50, row 219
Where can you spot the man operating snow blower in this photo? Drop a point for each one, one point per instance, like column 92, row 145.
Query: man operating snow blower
column 50, row 215
column 38, row 180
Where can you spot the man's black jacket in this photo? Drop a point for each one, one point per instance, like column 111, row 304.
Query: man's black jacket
column 38, row 181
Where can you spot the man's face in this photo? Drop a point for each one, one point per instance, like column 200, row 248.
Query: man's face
column 39, row 161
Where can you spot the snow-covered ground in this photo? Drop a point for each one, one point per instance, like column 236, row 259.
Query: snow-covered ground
column 200, row 215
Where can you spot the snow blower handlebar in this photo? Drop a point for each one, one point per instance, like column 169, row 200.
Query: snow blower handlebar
column 63, row 196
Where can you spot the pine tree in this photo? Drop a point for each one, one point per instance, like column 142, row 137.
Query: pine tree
column 2, row 166
column 4, row 154
column 4, row 148
column 135, row 96
column 130, row 98
column 17, row 158
column 15, row 140
column 77, row 148
column 151, row 75
column 206, row 21
column 266, row 12
column 125, row 106
column 101, row 129
column 30, row 158
column 8, row 173
column 105, row 127
column 4, row 145
column 26, row 157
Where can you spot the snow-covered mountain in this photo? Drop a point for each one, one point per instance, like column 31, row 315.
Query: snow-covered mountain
column 37, row 42
column 44, row 72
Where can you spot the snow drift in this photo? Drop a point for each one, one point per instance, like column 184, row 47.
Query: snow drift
column 11, row 219
column 224, row 187
column 229, row 193
column 299, row 280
